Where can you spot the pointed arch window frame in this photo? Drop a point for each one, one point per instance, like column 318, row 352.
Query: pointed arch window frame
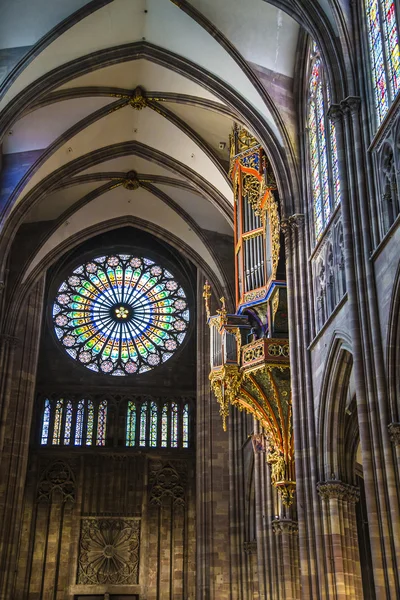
column 322, row 159
column 383, row 47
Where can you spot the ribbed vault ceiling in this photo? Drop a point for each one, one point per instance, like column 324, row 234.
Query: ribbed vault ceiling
column 69, row 112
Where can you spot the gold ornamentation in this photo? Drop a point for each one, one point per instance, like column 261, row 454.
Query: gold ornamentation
column 287, row 490
column 129, row 182
column 207, row 296
column 267, row 349
column 222, row 312
column 254, row 295
column 276, row 461
column 225, row 383
column 251, row 189
column 270, row 207
column 138, row 101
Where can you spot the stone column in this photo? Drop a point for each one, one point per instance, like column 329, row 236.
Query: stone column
column 340, row 539
column 212, row 477
column 286, row 531
column 394, row 433
column 277, row 537
column 18, row 419
column 312, row 553
column 372, row 409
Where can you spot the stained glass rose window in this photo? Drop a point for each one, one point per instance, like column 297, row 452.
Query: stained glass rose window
column 120, row 314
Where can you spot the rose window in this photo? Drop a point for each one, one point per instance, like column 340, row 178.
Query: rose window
column 120, row 314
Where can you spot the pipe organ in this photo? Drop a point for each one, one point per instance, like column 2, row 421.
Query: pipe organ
column 250, row 349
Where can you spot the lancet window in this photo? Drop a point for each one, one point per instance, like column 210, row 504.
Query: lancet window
column 324, row 173
column 145, row 422
column 67, row 422
column 162, row 423
column 383, row 41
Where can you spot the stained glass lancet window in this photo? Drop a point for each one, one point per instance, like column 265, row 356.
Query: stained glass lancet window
column 325, row 183
column 90, row 423
column 185, row 426
column 57, row 421
column 102, row 424
column 120, row 314
column 383, row 41
column 45, row 422
column 131, row 424
column 174, row 425
column 164, row 426
column 68, row 423
column 153, row 424
column 80, row 410
column 143, row 424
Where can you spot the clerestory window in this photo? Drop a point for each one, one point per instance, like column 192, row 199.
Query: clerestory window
column 383, row 43
column 324, row 173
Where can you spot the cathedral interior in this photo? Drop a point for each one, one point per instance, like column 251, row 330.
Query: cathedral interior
column 199, row 300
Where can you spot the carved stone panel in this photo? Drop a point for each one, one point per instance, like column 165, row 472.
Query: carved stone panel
column 109, row 551
column 329, row 272
column 57, row 481
column 167, row 480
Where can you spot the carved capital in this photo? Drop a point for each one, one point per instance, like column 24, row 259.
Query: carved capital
column 338, row 490
column 351, row 104
column 287, row 526
column 289, row 226
column 394, row 433
column 335, row 113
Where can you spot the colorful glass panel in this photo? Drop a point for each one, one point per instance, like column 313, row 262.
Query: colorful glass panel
column 185, row 426
column 164, row 426
column 325, row 182
column 90, row 423
column 102, row 424
column 80, row 410
column 377, row 58
column 174, row 425
column 120, row 314
column 45, row 423
column 57, row 421
column 68, row 423
column 153, row 424
column 391, row 45
column 143, row 424
column 131, row 424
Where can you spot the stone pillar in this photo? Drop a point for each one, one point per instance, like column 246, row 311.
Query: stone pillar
column 394, row 433
column 381, row 493
column 212, row 477
column 340, row 539
column 277, row 537
column 286, row 531
column 22, row 373
column 312, row 554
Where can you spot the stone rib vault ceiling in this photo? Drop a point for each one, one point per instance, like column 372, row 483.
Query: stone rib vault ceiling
column 70, row 142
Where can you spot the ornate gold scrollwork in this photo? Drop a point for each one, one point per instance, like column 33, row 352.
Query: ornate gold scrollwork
column 138, row 100
column 207, row 296
column 225, row 383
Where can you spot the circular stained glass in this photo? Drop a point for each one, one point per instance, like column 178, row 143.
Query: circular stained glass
column 120, row 314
